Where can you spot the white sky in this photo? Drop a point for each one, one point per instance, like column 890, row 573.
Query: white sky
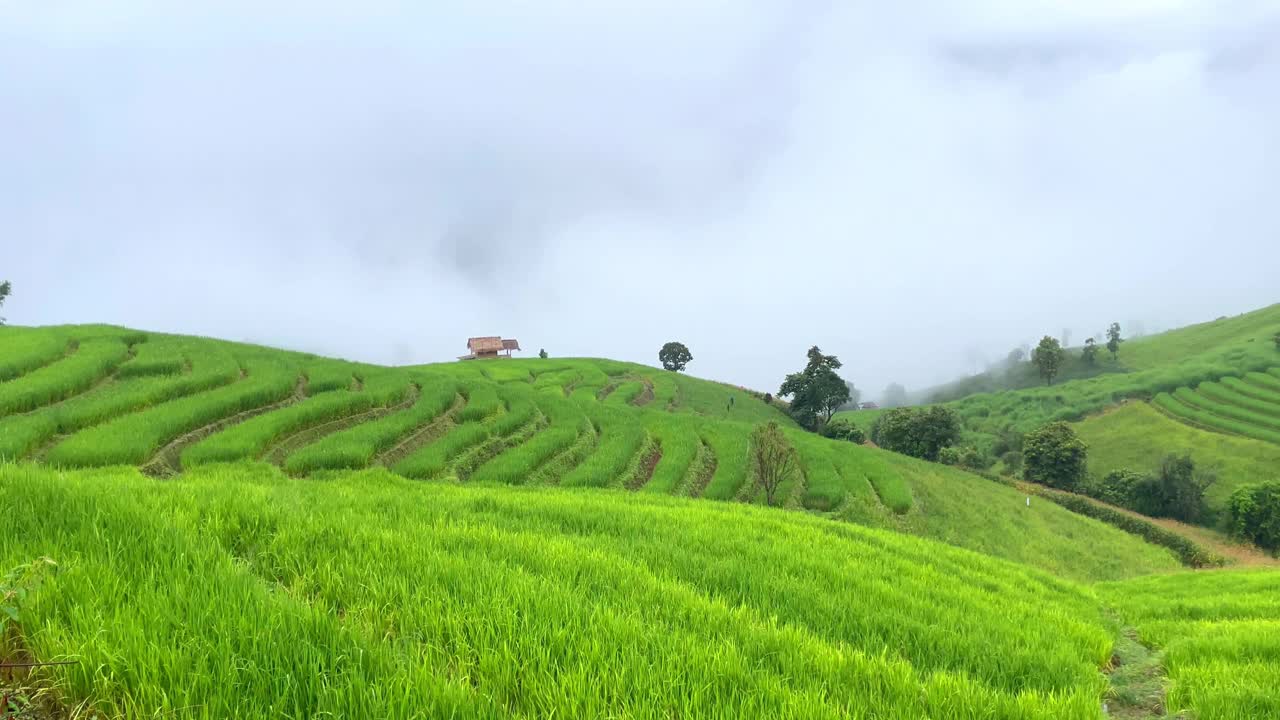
column 914, row 186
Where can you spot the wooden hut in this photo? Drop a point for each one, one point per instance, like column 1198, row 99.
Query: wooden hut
column 489, row 347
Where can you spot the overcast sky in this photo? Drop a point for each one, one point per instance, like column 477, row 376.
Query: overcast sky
column 915, row 186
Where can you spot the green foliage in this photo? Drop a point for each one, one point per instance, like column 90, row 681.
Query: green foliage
column 775, row 459
column 817, row 391
column 1012, row 460
column 6, row 288
column 839, row 429
column 18, row 584
column 674, row 356
column 1053, row 455
column 1254, row 512
column 966, row 456
column 918, row 432
column 543, row 353
column 1090, row 352
column 1047, row 357
column 1121, row 487
column 1114, row 340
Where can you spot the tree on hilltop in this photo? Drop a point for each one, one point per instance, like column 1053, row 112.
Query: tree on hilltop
column 1114, row 340
column 817, row 391
column 674, row 356
column 1048, row 358
column 6, row 287
column 1090, row 352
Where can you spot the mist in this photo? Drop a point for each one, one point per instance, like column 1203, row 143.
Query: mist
column 918, row 188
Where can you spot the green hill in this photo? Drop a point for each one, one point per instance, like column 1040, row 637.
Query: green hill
column 166, row 403
column 1220, row 382
column 248, row 532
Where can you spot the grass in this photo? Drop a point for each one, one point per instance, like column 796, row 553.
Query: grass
column 1219, row 633
column 731, row 444
column 1147, row 367
column 1136, row 436
column 356, row 447
column 373, row 596
column 92, row 361
column 133, row 438
column 518, row 428
column 252, row 437
column 26, row 349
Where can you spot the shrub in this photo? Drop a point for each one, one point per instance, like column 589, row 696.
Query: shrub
column 1117, row 487
column 1255, row 514
column 1176, row 490
column 1053, row 455
column 768, row 398
column 1012, row 461
column 842, row 430
column 918, row 432
column 968, row 457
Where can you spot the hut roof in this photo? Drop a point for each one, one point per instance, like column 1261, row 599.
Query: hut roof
column 510, row 344
column 484, row 344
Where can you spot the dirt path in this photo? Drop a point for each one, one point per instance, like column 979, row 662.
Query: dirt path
column 421, row 435
column 646, row 396
column 1137, row 680
column 644, row 473
column 168, row 460
column 701, row 470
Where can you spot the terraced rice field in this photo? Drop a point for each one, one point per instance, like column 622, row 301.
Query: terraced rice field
column 171, row 403
column 1247, row 406
column 520, row 539
column 375, row 596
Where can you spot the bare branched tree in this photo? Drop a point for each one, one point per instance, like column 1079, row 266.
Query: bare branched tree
column 775, row 458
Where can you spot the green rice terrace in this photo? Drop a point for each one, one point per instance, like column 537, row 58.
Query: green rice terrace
column 205, row 529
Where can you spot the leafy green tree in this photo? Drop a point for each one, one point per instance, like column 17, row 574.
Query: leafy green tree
column 774, row 457
column 543, row 353
column 1053, row 455
column 918, row 432
column 6, row 287
column 817, row 391
column 1090, row 352
column 1255, row 514
column 1114, row 340
column 895, row 396
column 1016, row 357
column 674, row 356
column 1178, row 489
column 1048, row 358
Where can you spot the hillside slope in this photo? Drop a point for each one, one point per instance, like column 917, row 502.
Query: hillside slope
column 173, row 403
column 373, row 596
column 1220, row 382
